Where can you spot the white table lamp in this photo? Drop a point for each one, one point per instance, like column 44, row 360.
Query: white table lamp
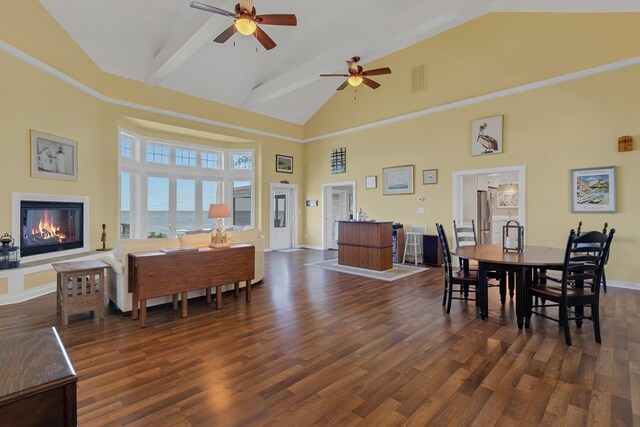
column 218, row 211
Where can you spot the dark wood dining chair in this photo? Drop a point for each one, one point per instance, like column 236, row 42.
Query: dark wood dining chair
column 457, row 283
column 465, row 235
column 583, row 264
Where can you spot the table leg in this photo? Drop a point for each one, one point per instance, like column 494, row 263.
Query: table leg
column 248, row 286
column 143, row 313
column 481, row 293
column 174, row 302
column 208, row 295
column 218, row 297
column 184, row 304
column 236, row 287
column 521, row 283
column 134, row 305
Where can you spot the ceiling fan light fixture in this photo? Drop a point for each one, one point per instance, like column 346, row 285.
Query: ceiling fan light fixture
column 355, row 81
column 245, row 26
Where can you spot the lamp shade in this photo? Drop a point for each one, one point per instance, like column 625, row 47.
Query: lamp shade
column 219, row 210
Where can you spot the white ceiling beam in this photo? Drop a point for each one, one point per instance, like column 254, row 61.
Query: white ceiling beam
column 202, row 29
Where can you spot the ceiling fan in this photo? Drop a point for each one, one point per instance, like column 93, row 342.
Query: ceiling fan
column 357, row 75
column 246, row 22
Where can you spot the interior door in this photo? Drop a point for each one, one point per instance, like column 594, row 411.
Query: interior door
column 338, row 213
column 281, row 217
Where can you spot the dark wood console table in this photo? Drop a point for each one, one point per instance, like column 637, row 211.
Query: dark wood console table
column 366, row 244
column 157, row 274
column 37, row 381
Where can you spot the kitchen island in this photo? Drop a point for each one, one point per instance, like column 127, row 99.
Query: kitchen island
column 366, row 244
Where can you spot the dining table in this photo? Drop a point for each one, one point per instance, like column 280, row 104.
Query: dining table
column 521, row 264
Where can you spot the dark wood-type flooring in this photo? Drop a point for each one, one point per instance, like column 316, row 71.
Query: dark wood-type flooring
column 316, row 347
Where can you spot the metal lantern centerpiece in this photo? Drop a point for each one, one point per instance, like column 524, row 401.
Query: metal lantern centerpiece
column 9, row 254
column 512, row 237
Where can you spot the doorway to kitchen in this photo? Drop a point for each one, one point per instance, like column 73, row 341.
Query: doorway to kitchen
column 338, row 204
column 491, row 198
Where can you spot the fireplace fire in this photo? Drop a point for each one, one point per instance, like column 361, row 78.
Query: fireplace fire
column 50, row 227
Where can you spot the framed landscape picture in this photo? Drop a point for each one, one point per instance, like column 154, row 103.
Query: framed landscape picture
column 53, row 157
column 371, row 182
column 593, row 190
column 284, row 164
column 398, row 180
column 429, row 176
column 486, row 136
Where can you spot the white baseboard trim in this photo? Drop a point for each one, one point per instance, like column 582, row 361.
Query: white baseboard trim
column 315, row 248
column 623, row 285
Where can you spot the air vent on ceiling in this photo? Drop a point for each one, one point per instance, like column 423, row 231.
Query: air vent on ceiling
column 419, row 78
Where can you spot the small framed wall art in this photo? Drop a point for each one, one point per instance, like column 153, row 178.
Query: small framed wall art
column 486, row 136
column 284, row 164
column 371, row 182
column 339, row 160
column 429, row 176
column 397, row 180
column 593, row 190
column 53, row 157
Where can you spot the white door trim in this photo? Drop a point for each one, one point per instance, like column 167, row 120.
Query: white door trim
column 294, row 211
column 325, row 213
column 457, row 189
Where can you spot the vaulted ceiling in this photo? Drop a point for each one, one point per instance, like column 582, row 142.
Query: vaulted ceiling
column 169, row 44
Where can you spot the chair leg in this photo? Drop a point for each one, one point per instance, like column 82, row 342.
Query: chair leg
column 444, row 297
column 502, row 279
column 449, row 298
column 565, row 324
column 595, row 311
column 512, row 285
column 604, row 281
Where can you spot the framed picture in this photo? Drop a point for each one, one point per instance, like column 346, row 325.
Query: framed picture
column 398, row 180
column 593, row 190
column 430, row 176
column 508, row 199
column 486, row 136
column 371, row 182
column 284, row 164
column 339, row 160
column 53, row 157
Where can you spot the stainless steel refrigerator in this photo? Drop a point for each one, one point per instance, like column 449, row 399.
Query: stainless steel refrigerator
column 483, row 217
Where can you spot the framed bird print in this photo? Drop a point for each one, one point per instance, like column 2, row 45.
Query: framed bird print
column 486, row 136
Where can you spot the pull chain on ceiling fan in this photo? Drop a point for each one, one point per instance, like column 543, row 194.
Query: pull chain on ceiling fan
column 358, row 76
column 246, row 21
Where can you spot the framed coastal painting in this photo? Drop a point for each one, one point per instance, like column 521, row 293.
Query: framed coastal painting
column 429, row 176
column 284, row 164
column 486, row 136
column 53, row 157
column 371, row 182
column 593, row 190
column 508, row 199
column 398, row 180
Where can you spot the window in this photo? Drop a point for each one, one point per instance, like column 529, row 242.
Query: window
column 186, row 204
column 211, row 160
column 171, row 186
column 157, row 154
column 241, row 208
column 241, row 161
column 185, row 157
column 126, row 146
column 125, row 205
column 157, row 207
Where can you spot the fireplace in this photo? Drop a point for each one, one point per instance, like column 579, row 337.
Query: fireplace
column 50, row 226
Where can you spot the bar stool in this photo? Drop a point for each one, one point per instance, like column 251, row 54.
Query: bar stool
column 413, row 243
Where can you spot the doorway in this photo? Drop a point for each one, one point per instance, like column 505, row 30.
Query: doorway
column 284, row 216
column 339, row 202
column 491, row 198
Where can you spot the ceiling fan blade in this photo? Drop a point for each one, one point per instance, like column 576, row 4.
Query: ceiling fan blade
column 343, row 85
column 377, row 72
column 370, row 83
column 334, row 75
column 211, row 9
column 277, row 19
column 264, row 39
column 226, row 34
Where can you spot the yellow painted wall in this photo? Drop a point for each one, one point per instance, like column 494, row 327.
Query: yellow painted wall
column 41, row 278
column 4, row 285
column 550, row 130
column 494, row 52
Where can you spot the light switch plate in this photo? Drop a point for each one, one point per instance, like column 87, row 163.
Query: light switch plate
column 420, row 210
